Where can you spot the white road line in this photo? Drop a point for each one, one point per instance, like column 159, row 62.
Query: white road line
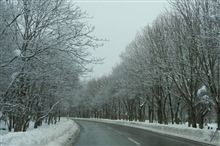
column 135, row 142
column 114, row 130
column 118, row 132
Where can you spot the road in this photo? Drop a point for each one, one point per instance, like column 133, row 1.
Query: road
column 103, row 134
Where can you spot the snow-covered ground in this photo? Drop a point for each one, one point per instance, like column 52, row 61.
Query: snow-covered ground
column 59, row 134
column 209, row 136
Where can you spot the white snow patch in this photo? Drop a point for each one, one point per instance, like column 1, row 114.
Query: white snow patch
column 183, row 131
column 202, row 90
column 17, row 52
column 52, row 135
column 14, row 75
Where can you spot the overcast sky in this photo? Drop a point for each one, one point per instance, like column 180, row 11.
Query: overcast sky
column 118, row 21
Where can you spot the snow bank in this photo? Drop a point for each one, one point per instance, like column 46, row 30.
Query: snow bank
column 195, row 134
column 53, row 135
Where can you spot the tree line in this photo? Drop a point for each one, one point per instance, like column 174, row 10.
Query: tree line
column 169, row 73
column 44, row 49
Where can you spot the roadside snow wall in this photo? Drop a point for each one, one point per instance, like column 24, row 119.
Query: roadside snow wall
column 52, row 135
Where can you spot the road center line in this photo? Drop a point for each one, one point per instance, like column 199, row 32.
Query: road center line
column 118, row 132
column 114, row 130
column 134, row 141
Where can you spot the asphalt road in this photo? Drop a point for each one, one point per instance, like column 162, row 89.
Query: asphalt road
column 103, row 134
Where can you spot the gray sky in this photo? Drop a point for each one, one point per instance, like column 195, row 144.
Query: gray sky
column 118, row 21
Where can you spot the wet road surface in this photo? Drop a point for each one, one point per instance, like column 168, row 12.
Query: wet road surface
column 104, row 134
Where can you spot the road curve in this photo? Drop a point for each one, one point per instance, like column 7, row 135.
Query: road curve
column 104, row 134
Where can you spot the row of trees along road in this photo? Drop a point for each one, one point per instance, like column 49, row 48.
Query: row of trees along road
column 44, row 47
column 170, row 72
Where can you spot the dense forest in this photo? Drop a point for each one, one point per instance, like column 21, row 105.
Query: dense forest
column 44, row 49
column 169, row 73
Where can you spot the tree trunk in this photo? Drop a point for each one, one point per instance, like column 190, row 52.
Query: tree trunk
column 177, row 119
column 59, row 115
column 164, row 112
column 26, row 125
column 150, row 114
column 160, row 112
column 18, row 125
column 201, row 122
column 119, row 109
column 10, row 125
column 192, row 117
column 218, row 116
column 171, row 109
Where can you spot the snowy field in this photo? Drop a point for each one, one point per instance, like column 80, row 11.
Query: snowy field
column 59, row 134
column 209, row 136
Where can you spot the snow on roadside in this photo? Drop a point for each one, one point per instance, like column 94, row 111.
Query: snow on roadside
column 195, row 134
column 53, row 135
